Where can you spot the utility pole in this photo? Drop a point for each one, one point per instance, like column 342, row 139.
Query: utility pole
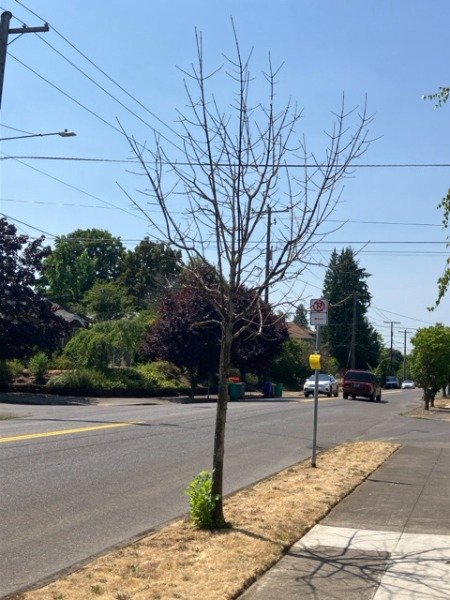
column 268, row 252
column 268, row 246
column 4, row 32
column 353, row 344
column 392, row 336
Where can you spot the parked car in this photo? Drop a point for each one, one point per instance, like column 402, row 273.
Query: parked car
column 361, row 383
column 327, row 385
column 408, row 384
column 392, row 383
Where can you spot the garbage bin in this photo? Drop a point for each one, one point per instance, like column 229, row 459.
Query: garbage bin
column 278, row 390
column 236, row 391
column 268, row 390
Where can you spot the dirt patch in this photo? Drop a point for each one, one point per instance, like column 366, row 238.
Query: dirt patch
column 440, row 410
column 184, row 563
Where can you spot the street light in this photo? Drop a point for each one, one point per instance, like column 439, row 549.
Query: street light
column 64, row 133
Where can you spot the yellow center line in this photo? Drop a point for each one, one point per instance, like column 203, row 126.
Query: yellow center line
column 319, row 399
column 32, row 436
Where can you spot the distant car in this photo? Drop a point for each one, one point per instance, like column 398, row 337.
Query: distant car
column 327, row 385
column 392, row 383
column 408, row 384
column 361, row 383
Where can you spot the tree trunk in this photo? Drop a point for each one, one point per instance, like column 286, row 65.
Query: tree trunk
column 193, row 380
column 221, row 417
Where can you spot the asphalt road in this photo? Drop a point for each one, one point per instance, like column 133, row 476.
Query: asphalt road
column 77, row 480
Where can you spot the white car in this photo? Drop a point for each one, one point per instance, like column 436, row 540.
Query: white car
column 327, row 385
column 408, row 384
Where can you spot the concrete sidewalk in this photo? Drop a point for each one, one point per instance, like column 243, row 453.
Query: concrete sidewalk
column 388, row 540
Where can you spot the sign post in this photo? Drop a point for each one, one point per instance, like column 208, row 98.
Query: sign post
column 318, row 317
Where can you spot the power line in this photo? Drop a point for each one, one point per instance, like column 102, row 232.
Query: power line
column 69, row 185
column 67, row 95
column 219, row 164
column 105, row 74
column 112, row 207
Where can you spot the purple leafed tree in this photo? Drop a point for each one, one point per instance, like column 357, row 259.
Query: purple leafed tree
column 27, row 321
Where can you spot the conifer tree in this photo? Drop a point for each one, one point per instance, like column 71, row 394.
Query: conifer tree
column 349, row 331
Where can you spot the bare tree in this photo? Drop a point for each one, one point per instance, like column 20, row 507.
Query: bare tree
column 235, row 168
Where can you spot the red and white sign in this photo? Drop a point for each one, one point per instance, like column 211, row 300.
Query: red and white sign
column 318, row 312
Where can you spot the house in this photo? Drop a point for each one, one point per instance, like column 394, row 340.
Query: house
column 300, row 333
column 74, row 322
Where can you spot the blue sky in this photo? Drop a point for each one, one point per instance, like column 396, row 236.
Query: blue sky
column 390, row 51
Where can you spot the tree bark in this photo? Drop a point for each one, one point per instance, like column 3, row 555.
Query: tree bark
column 221, row 417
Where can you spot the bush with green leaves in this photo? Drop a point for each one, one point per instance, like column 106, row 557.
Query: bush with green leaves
column 202, row 502
column 39, row 365
column 88, row 349
column 161, row 374
column 79, row 379
column 137, row 380
column 61, row 362
column 111, row 343
column 292, row 366
column 16, row 367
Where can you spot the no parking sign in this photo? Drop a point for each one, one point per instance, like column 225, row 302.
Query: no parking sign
column 318, row 312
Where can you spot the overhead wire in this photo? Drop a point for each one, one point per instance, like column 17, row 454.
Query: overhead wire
column 69, row 185
column 118, row 130
column 90, row 61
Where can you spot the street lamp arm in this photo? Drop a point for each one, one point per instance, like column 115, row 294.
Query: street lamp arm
column 64, row 133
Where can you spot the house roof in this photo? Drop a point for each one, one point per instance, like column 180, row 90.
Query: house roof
column 70, row 317
column 300, row 333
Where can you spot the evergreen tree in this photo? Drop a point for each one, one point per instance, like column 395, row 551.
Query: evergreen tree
column 301, row 317
column 346, row 289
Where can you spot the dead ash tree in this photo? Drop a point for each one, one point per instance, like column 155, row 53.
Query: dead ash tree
column 236, row 168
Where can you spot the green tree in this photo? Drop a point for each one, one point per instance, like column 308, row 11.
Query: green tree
column 106, row 301
column 384, row 365
column 148, row 270
column 441, row 97
column 77, row 262
column 350, row 337
column 292, row 366
column 444, row 281
column 108, row 343
column 301, row 316
column 430, row 360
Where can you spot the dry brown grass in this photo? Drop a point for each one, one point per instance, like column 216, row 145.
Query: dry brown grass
column 182, row 562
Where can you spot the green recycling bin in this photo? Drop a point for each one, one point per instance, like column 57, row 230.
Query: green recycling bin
column 236, row 390
column 278, row 390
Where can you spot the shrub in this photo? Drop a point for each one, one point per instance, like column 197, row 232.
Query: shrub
column 78, row 379
column 161, row 374
column 88, row 349
column 202, row 502
column 39, row 365
column 15, row 367
column 62, row 363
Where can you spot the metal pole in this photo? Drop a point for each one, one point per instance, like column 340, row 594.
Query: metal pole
column 4, row 31
column 316, row 401
column 392, row 340
column 353, row 346
column 268, row 252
